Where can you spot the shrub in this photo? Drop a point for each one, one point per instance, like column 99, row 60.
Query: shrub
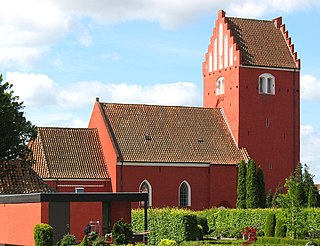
column 270, row 225
column 200, row 232
column 68, row 240
column 201, row 220
column 99, row 242
column 284, row 241
column 84, row 242
column 93, row 236
column 281, row 229
column 121, row 232
column 43, row 235
column 167, row 242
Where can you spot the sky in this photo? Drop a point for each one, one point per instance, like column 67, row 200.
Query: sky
column 61, row 55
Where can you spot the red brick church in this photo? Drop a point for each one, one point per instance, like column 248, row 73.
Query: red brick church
column 188, row 156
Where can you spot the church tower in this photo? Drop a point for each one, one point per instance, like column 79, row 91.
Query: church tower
column 251, row 71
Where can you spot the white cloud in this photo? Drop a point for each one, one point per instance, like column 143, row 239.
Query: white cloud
column 310, row 87
column 310, row 154
column 30, row 28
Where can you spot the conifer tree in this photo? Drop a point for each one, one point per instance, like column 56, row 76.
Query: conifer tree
column 251, row 186
column 261, row 188
column 241, row 189
column 277, row 193
column 298, row 178
column 312, row 197
column 269, row 199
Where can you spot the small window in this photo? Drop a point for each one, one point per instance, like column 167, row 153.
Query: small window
column 266, row 84
column 184, row 194
column 220, row 86
column 79, row 190
column 146, row 187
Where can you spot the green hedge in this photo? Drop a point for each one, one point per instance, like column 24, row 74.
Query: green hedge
column 283, row 241
column 168, row 223
column 43, row 235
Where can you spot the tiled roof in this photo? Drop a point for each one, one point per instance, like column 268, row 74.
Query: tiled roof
column 68, row 153
column 17, row 177
column 149, row 133
column 261, row 43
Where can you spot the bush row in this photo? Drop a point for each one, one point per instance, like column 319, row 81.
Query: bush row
column 168, row 223
column 283, row 241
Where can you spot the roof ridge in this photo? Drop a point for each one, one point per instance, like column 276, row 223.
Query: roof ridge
column 66, row 128
column 248, row 19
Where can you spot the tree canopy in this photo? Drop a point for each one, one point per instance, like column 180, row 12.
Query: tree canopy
column 15, row 130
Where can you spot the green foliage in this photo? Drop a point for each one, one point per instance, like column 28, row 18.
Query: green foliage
column 121, row 232
column 201, row 220
column 99, row 241
column 270, row 224
column 280, row 229
column 241, row 188
column 84, row 242
column 93, row 236
column 170, row 223
column 282, row 241
column 68, row 239
column 15, row 130
column 312, row 197
column 251, row 186
column 275, row 198
column 43, row 235
column 167, row 242
column 261, row 189
column 269, row 199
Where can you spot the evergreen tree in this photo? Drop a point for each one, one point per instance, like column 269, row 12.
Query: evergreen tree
column 275, row 200
column 298, row 178
column 251, row 186
column 241, row 189
column 269, row 199
column 261, row 188
column 307, row 183
column 312, row 197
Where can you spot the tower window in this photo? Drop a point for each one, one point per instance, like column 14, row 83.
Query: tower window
column 266, row 84
column 220, row 86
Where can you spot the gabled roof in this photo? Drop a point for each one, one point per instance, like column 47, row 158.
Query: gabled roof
column 17, row 177
column 68, row 153
column 171, row 134
column 262, row 43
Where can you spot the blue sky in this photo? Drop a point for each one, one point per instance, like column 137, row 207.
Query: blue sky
column 61, row 55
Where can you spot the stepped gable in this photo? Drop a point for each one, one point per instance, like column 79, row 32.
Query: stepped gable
column 70, row 153
column 17, row 177
column 171, row 134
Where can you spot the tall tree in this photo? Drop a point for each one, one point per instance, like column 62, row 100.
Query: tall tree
column 298, row 178
column 312, row 197
column 275, row 200
column 241, row 189
column 261, row 187
column 15, row 130
column 251, row 185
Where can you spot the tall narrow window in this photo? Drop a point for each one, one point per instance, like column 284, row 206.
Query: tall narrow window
column 266, row 84
column 184, row 194
column 220, row 86
column 146, row 187
column 225, row 50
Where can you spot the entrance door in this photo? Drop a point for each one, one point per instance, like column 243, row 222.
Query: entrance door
column 59, row 219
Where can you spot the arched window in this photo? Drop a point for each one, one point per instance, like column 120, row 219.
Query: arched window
column 220, row 86
column 184, row 194
column 146, row 187
column 267, row 84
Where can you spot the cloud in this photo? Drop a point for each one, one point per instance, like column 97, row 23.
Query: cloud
column 310, row 155
column 50, row 103
column 310, row 88
column 29, row 29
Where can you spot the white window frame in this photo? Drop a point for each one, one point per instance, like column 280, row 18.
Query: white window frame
column 149, row 189
column 220, row 86
column 189, row 194
column 267, row 84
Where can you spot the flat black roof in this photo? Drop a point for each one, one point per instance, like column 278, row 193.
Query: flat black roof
column 74, row 197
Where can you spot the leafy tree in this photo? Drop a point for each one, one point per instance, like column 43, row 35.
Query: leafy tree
column 15, row 130
column 269, row 199
column 241, row 189
column 261, row 188
column 251, row 186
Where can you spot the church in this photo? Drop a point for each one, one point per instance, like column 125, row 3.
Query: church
column 188, row 156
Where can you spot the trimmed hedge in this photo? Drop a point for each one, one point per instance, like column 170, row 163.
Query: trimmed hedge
column 167, row 223
column 270, row 224
column 283, row 241
column 43, row 235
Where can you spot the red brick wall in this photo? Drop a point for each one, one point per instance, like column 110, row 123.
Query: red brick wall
column 18, row 221
column 120, row 210
column 70, row 185
column 96, row 121
column 209, row 186
column 81, row 213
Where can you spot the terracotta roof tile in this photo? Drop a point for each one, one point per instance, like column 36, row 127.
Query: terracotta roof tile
column 70, row 153
column 18, row 177
column 149, row 133
column 261, row 43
